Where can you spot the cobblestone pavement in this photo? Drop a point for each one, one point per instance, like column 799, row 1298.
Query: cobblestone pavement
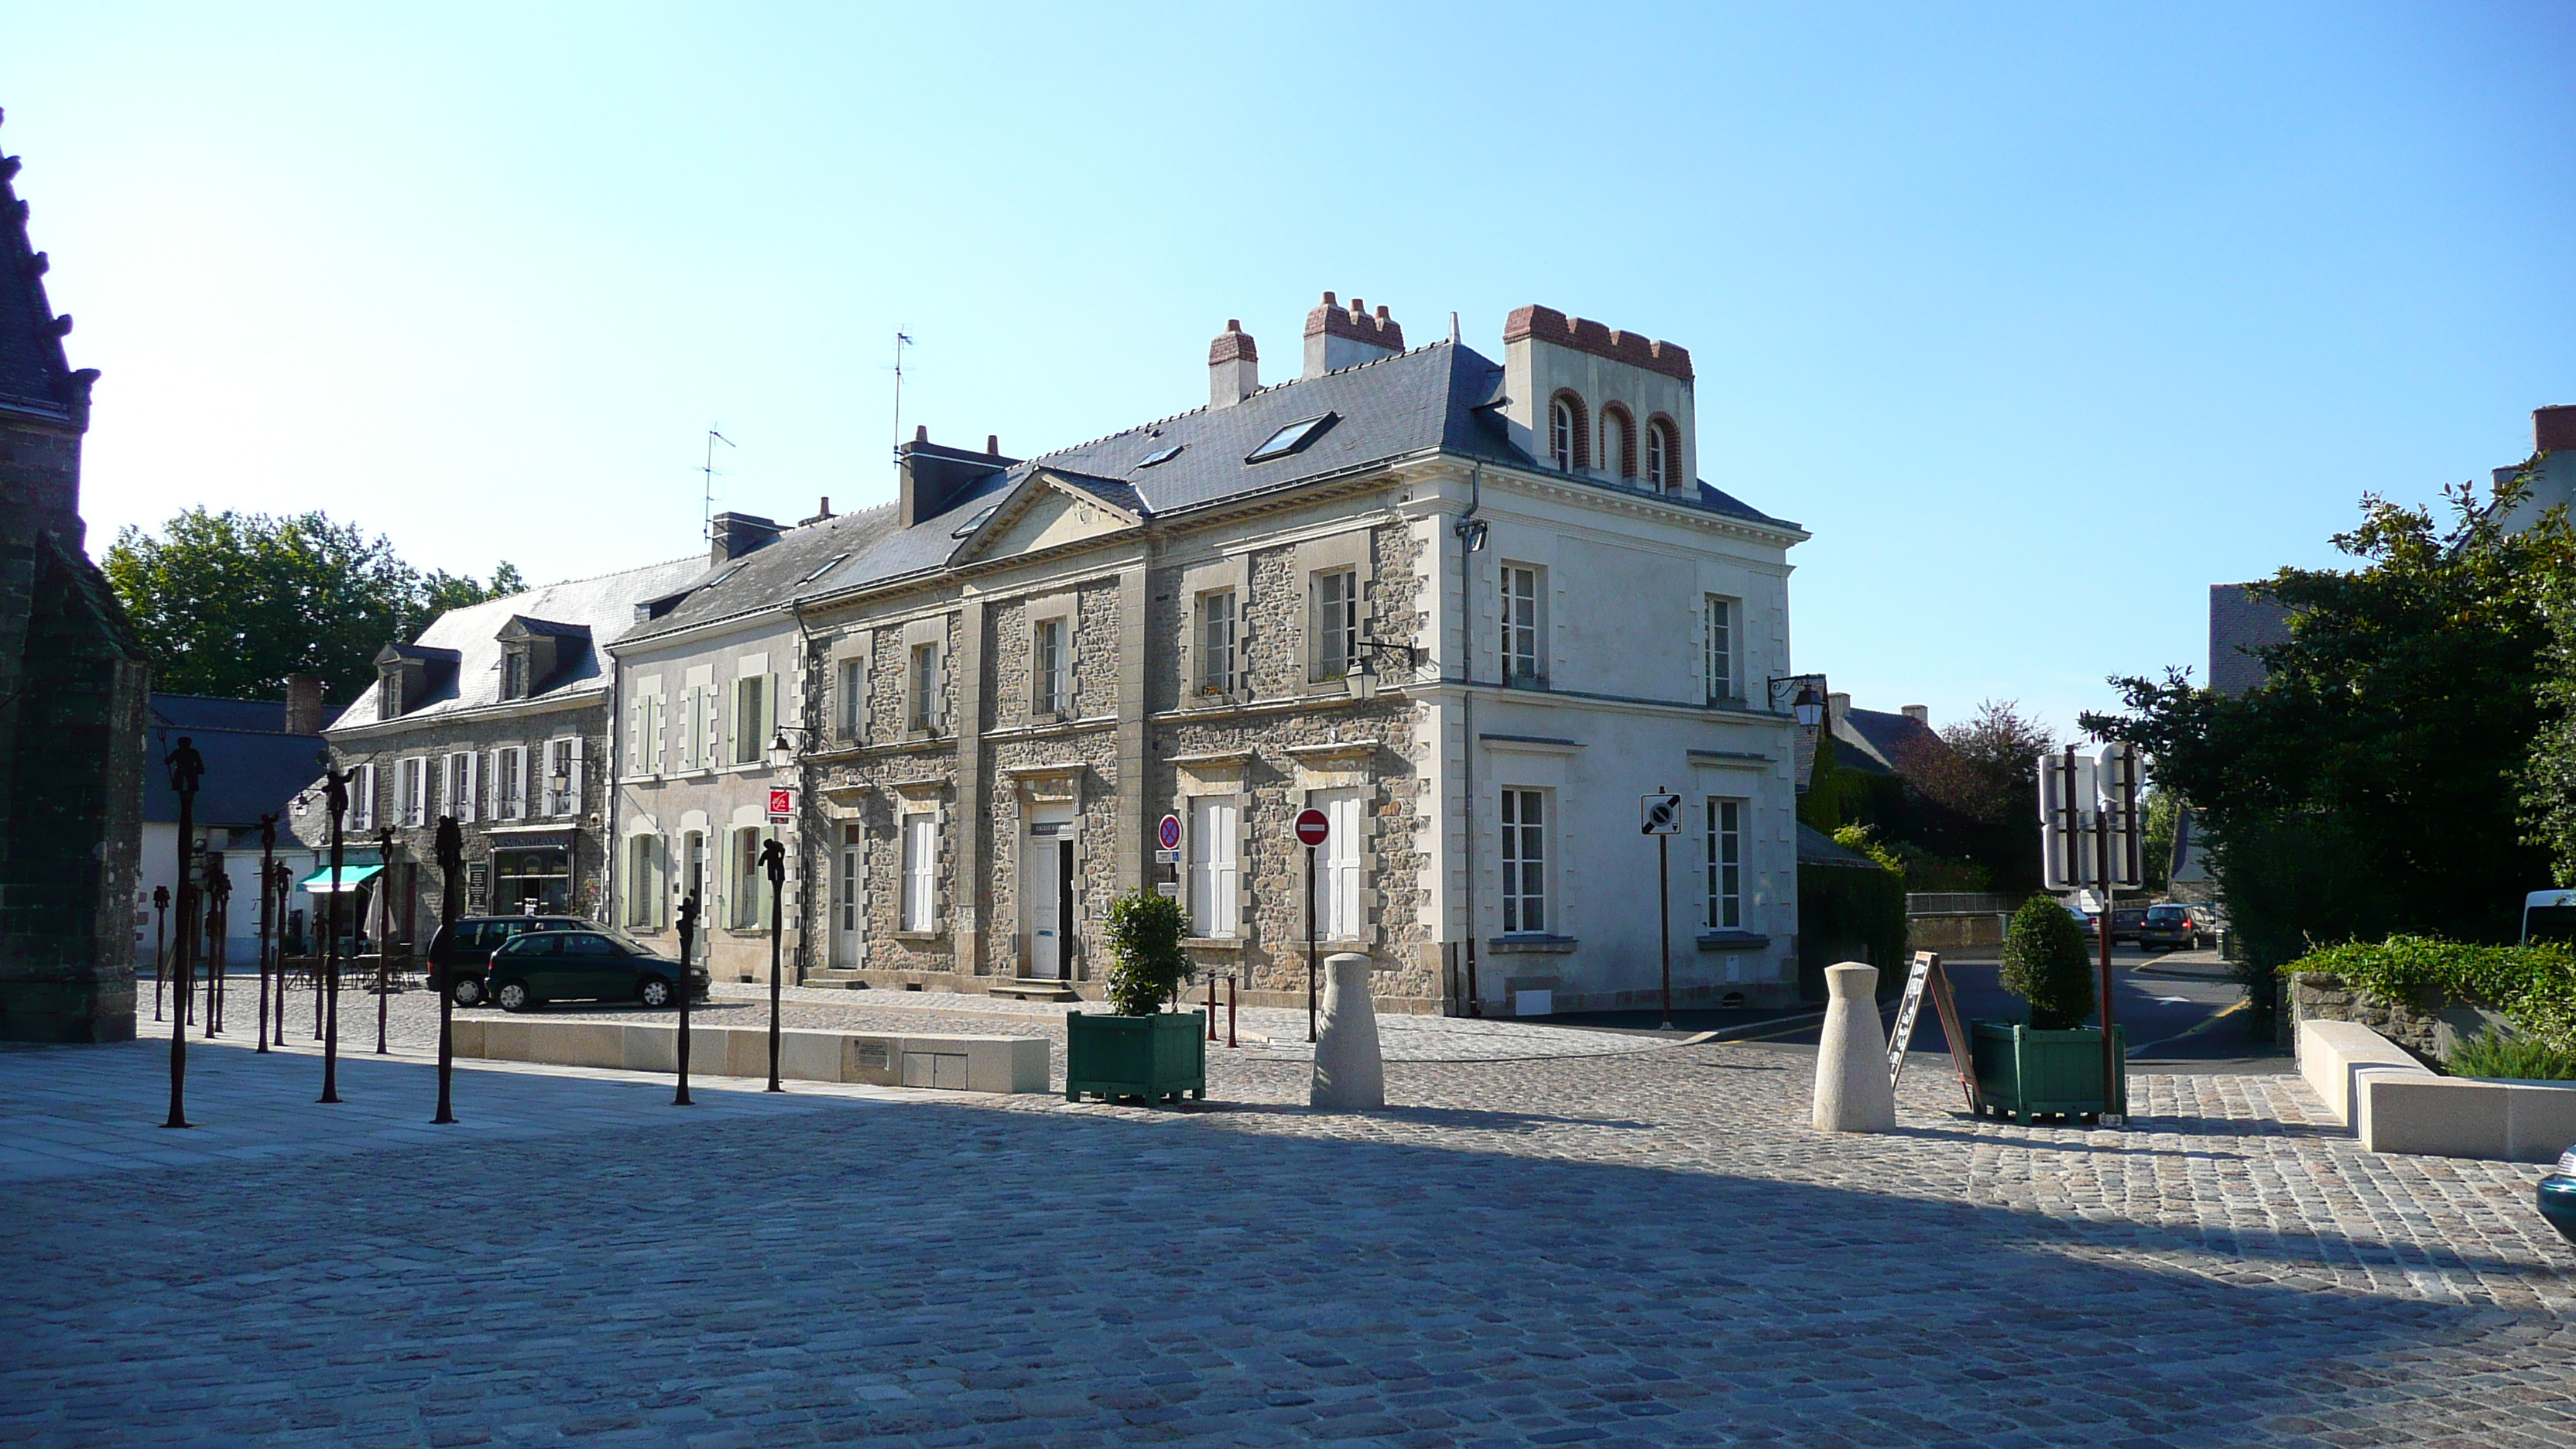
column 1650, row 1248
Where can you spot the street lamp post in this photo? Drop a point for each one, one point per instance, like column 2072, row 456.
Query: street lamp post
column 187, row 768
column 773, row 856
column 451, row 868
column 688, row 939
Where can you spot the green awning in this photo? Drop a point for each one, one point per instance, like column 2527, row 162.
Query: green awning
column 351, row 877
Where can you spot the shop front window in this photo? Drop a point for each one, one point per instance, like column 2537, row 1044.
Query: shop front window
column 531, row 882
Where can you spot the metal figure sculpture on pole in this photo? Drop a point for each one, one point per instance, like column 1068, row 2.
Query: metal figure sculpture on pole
column 774, row 857
column 160, row 952
column 450, row 848
column 384, row 930
column 187, row 768
column 688, row 939
column 267, row 853
column 328, row 989
column 282, row 885
column 219, row 900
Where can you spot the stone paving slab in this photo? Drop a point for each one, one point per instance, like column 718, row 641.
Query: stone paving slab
column 1644, row 1249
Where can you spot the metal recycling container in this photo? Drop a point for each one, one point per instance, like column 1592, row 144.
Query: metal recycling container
column 1153, row 1057
column 2023, row 1073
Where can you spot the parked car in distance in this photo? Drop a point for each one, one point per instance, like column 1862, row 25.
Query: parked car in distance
column 2178, row 927
column 585, row 965
column 458, row 968
column 2125, row 921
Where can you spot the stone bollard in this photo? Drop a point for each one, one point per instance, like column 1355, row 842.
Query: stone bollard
column 1852, row 1092
column 1350, row 1074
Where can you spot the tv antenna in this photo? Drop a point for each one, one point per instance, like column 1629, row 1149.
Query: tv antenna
column 902, row 340
column 707, row 505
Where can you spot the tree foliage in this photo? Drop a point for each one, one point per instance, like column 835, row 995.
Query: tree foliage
column 229, row 604
column 2044, row 965
column 2370, row 783
column 1985, row 778
column 2548, row 778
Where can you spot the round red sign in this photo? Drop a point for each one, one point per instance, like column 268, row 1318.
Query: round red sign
column 1312, row 827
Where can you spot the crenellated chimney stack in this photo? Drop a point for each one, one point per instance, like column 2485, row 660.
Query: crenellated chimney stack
column 1339, row 337
column 1234, row 366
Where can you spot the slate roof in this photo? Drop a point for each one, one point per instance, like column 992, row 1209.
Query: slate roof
column 252, row 766
column 1875, row 742
column 1437, row 397
column 35, row 377
column 605, row 605
column 1817, row 848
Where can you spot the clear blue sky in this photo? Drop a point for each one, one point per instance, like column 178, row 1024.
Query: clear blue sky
column 2042, row 318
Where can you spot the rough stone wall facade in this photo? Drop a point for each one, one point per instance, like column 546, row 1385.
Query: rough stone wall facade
column 2428, row 1029
column 587, row 850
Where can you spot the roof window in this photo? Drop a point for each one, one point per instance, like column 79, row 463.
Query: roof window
column 976, row 522
column 1162, row 455
column 1291, row 438
column 718, row 581
column 836, row 561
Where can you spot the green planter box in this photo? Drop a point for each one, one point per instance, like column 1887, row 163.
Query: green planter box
column 2022, row 1073
column 1153, row 1057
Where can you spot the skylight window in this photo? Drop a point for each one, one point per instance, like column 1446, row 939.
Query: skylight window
column 718, row 581
column 1162, row 455
column 1291, row 438
column 976, row 522
column 837, row 560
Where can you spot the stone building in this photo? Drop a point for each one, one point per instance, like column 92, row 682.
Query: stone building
column 706, row 681
column 72, row 688
column 497, row 714
column 1471, row 611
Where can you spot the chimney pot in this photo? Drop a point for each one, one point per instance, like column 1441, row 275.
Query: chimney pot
column 1233, row 324
column 1328, row 299
column 921, row 432
column 993, row 444
column 1339, row 337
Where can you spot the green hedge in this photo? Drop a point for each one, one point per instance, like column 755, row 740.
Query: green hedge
column 2534, row 986
column 1843, row 909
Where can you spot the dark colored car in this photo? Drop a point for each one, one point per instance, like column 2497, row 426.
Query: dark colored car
column 2177, row 928
column 2558, row 1196
column 2126, row 920
column 477, row 937
column 587, row 965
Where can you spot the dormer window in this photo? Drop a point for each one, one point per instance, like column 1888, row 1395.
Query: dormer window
column 514, row 674
column 389, row 695
column 1663, row 454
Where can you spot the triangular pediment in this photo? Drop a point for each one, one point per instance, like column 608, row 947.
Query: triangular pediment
column 1049, row 512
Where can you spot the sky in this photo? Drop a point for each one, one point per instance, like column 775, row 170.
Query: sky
column 2041, row 318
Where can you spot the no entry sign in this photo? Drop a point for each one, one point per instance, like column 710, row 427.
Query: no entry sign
column 1169, row 832
column 1312, row 827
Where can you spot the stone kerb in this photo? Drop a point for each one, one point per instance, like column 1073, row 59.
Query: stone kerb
column 2394, row 1104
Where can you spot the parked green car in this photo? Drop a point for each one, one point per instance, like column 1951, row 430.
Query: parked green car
column 590, row 965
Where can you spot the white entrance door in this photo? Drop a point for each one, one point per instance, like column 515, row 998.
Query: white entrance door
column 847, row 939
column 1048, row 878
column 1337, row 907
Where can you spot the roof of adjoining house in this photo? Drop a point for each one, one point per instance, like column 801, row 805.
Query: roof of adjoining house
column 604, row 605
column 253, row 767
column 1876, row 742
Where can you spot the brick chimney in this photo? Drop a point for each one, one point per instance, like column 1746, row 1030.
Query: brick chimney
column 303, row 704
column 1339, row 337
column 734, row 534
column 1234, row 366
column 2553, row 429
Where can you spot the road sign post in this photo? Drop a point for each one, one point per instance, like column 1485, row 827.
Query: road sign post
column 1660, row 815
column 1312, row 830
column 2088, row 810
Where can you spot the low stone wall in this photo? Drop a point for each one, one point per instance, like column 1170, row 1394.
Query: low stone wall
column 1954, row 930
column 915, row 1059
column 2427, row 1030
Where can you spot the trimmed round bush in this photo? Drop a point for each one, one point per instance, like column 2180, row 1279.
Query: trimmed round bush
column 2044, row 965
column 1146, row 961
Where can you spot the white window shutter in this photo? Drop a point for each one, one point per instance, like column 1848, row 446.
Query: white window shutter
column 573, row 785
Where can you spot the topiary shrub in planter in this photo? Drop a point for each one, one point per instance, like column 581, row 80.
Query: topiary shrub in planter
column 2052, row 1064
column 2044, row 965
column 1143, row 1050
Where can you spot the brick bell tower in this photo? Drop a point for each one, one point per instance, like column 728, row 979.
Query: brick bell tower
column 73, row 689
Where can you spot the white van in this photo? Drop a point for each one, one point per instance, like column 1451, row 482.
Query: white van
column 2549, row 916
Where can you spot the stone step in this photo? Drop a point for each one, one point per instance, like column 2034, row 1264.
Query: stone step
column 1034, row 989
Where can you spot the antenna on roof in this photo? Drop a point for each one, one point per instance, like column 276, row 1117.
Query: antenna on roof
column 707, row 508
column 901, row 341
